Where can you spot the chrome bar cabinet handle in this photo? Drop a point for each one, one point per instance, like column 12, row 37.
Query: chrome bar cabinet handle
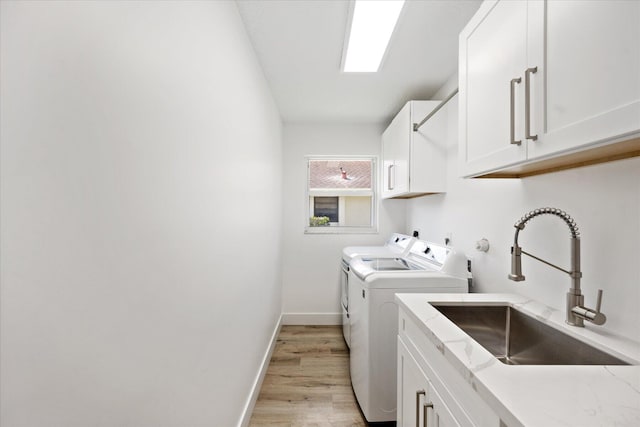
column 389, row 186
column 418, row 394
column 512, row 110
column 424, row 413
column 527, row 103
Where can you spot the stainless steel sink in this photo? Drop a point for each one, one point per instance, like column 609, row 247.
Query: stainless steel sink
column 515, row 338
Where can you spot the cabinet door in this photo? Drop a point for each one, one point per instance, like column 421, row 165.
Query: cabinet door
column 493, row 49
column 395, row 148
column 389, row 154
column 417, row 398
column 589, row 53
column 412, row 389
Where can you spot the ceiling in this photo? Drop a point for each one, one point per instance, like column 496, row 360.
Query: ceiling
column 299, row 45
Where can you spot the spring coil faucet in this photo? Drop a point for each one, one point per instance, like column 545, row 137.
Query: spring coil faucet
column 576, row 312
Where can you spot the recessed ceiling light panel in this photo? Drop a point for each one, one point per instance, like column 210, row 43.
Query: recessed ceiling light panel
column 372, row 25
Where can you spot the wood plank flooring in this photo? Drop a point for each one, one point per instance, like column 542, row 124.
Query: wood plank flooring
column 307, row 383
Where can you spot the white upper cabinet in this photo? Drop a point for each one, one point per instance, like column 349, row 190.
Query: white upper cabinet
column 539, row 79
column 414, row 162
column 492, row 55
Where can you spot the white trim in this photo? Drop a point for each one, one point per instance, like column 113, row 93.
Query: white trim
column 312, row 318
column 335, row 229
column 343, row 192
column 245, row 418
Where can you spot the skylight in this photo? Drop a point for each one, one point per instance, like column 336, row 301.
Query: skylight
column 372, row 25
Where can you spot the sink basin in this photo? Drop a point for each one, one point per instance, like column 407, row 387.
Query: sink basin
column 515, row 338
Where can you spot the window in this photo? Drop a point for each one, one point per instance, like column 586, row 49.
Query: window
column 341, row 196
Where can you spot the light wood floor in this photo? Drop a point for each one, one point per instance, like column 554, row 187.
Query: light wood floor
column 307, row 383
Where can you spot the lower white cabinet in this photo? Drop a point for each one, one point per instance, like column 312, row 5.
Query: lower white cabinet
column 419, row 404
column 430, row 391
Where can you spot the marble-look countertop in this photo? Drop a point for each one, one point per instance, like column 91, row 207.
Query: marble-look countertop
column 536, row 395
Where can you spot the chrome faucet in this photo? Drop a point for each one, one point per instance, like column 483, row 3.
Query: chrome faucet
column 577, row 313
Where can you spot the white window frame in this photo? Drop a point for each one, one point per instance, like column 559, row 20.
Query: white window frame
column 334, row 228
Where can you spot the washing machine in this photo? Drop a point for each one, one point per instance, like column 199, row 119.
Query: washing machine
column 373, row 315
column 397, row 245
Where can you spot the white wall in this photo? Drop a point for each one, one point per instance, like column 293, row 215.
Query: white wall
column 311, row 292
column 603, row 199
column 140, row 147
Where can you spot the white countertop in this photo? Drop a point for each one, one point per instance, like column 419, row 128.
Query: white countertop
column 536, row 395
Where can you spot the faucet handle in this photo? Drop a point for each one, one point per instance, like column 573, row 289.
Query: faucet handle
column 599, row 301
column 598, row 318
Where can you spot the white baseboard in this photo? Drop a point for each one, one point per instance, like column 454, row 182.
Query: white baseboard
column 257, row 384
column 312, row 318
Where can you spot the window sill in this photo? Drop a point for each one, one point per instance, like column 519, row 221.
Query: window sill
column 340, row 230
